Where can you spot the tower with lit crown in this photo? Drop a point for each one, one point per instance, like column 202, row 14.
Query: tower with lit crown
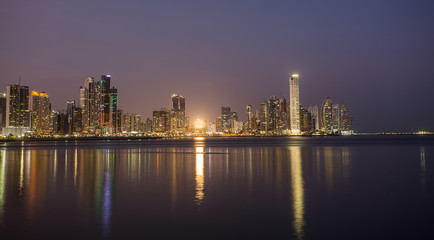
column 294, row 104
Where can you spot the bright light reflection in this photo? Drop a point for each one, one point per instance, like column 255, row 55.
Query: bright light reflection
column 2, row 183
column 200, row 181
column 423, row 165
column 297, row 192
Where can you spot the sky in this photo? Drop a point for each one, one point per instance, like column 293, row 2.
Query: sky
column 375, row 57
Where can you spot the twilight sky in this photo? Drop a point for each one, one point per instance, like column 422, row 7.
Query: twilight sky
column 376, row 57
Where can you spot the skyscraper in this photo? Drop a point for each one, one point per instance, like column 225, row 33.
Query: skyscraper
column 114, row 111
column 327, row 115
column 105, row 96
column 263, row 116
column 226, row 114
column 40, row 109
column 273, row 113
column 294, row 104
column 70, row 109
column 315, row 117
column 249, row 117
column 17, row 106
column 2, row 110
column 178, row 110
column 346, row 121
column 336, row 115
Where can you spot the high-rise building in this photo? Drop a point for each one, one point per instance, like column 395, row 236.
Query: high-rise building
column 2, row 110
column 40, row 109
column 92, row 105
column 106, row 97
column 226, row 114
column 136, row 120
column 263, row 116
column 249, row 117
column 327, row 115
column 273, row 113
column 148, row 125
column 336, row 116
column 346, row 121
column 70, row 120
column 315, row 117
column 305, row 120
column 114, row 111
column 219, row 125
column 294, row 104
column 178, row 110
column 17, row 106
column 161, row 120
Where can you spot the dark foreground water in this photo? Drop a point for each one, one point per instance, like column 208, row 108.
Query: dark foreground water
column 220, row 188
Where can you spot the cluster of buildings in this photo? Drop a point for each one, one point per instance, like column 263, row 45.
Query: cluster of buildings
column 97, row 113
column 279, row 116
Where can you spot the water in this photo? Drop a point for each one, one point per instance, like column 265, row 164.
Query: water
column 219, row 188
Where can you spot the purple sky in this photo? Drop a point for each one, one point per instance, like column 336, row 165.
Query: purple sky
column 377, row 57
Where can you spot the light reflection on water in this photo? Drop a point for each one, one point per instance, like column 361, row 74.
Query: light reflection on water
column 97, row 189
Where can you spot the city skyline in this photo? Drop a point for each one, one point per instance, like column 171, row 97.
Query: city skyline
column 374, row 57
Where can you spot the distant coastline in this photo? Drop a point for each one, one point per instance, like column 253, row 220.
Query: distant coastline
column 114, row 138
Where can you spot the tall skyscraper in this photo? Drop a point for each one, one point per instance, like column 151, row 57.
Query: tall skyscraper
column 40, row 109
column 226, row 114
column 105, row 96
column 114, row 111
column 2, row 110
column 70, row 109
column 336, row 116
column 249, row 117
column 305, row 120
column 92, row 105
column 327, row 115
column 346, row 121
column 294, row 104
column 263, row 116
column 315, row 117
column 273, row 113
column 178, row 110
column 17, row 106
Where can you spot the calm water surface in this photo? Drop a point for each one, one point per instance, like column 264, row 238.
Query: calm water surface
column 219, row 188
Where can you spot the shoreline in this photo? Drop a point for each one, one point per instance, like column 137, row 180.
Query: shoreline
column 117, row 138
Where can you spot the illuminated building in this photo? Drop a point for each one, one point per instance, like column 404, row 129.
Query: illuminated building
column 178, row 110
column 326, row 115
column 40, row 109
column 249, row 117
column 283, row 121
column 161, row 120
column 113, row 121
column 226, row 114
column 315, row 117
column 263, row 116
column 135, row 122
column 219, row 125
column 17, row 106
column 305, row 120
column 336, row 118
column 92, row 105
column 148, row 125
column 126, row 123
column 70, row 109
column 2, row 110
column 273, row 113
column 294, row 104
column 105, row 100
column 346, row 121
